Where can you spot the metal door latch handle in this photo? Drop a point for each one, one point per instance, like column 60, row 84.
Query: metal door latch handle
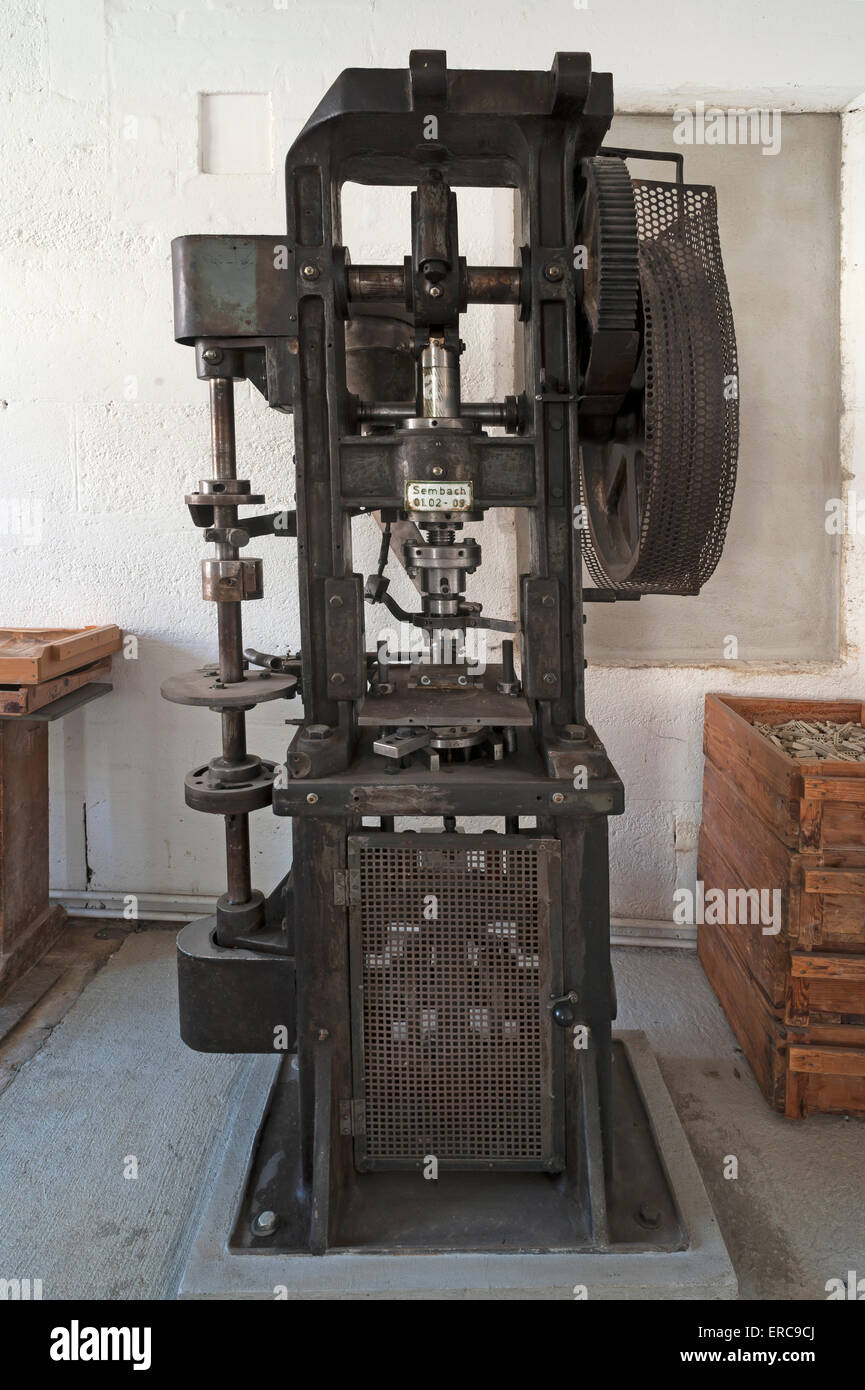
column 562, row 1008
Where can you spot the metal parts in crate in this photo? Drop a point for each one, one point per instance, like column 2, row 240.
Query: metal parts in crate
column 447, row 994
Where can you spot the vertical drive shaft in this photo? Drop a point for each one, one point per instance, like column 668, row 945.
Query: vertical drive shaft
column 223, row 448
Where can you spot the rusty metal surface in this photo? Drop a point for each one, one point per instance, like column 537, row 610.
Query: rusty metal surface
column 482, row 284
column 542, row 671
column 230, row 286
column 474, row 705
column 231, row 581
column 234, row 800
column 343, row 615
column 374, row 469
column 464, row 1211
column 202, row 687
column 608, row 290
column 519, row 785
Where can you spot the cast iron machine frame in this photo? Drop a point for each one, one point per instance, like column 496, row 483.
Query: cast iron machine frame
column 366, row 358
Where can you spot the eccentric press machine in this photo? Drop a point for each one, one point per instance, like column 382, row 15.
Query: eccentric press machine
column 443, row 996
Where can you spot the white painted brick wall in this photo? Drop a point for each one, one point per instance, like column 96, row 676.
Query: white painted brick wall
column 104, row 423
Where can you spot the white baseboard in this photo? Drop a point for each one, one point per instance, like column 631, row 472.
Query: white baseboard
column 183, row 907
column 147, row 907
column 634, row 931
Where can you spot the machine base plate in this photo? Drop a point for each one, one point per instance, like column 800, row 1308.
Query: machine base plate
column 465, row 1235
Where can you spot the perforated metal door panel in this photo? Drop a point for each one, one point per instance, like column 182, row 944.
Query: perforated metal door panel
column 453, row 945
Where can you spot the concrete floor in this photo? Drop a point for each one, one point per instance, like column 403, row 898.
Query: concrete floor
column 111, row 1080
column 795, row 1216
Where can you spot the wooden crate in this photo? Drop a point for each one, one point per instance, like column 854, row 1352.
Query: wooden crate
column 810, row 806
column 813, row 1069
column 765, row 957
column 25, row 699
column 771, row 821
column 29, row 655
column 825, row 989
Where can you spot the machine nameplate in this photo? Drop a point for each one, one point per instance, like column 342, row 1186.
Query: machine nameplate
column 424, row 496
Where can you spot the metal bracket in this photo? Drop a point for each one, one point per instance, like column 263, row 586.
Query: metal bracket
column 542, row 659
column 610, row 596
column 352, row 1117
column 346, row 887
column 343, row 620
column 664, row 155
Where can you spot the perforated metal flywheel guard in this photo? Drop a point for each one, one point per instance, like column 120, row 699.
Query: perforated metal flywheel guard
column 659, row 493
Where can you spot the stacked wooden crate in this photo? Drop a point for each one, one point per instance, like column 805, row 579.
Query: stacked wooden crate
column 41, row 664
column 45, row 673
column 795, row 998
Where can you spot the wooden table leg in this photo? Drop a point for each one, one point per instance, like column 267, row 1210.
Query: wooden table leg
column 29, row 921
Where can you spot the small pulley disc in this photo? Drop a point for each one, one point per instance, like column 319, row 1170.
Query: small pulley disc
column 203, row 687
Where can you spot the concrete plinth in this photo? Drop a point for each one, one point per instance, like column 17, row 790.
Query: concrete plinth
column 701, row 1271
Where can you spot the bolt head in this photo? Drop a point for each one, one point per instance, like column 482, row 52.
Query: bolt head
column 337, row 678
column 649, row 1215
column 436, row 291
column 424, row 680
column 549, row 678
column 212, row 354
column 310, row 271
column 553, row 272
column 558, row 798
column 547, row 600
column 437, row 471
column 265, row 1223
column 335, row 601
column 312, row 798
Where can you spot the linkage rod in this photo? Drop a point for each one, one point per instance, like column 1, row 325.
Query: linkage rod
column 484, row 284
